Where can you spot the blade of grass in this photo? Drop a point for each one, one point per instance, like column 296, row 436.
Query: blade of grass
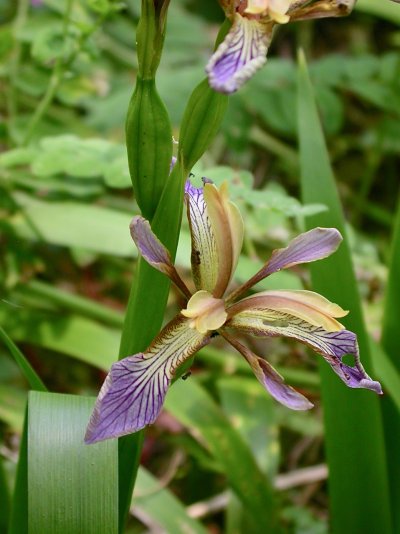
column 358, row 480
column 391, row 344
column 192, row 406
column 29, row 373
column 4, row 500
column 72, row 487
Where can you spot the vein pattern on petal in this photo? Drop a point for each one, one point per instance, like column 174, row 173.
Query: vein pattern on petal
column 240, row 55
column 133, row 392
column 333, row 346
column 204, row 248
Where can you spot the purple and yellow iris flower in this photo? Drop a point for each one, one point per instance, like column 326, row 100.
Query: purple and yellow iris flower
column 244, row 49
column 133, row 393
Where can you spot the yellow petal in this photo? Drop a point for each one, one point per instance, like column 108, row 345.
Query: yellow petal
column 256, row 7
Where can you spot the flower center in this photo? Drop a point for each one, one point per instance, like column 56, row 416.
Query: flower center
column 207, row 312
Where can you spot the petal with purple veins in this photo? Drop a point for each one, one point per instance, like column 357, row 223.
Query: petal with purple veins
column 270, row 378
column 154, row 252
column 333, row 346
column 133, row 393
column 240, row 55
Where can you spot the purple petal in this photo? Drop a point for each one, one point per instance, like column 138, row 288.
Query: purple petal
column 154, row 252
column 310, row 246
column 133, row 392
column 240, row 55
column 333, row 346
column 271, row 379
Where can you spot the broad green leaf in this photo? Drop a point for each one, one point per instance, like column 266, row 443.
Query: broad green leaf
column 162, row 507
column 353, row 423
column 391, row 344
column 27, row 370
column 386, row 10
column 69, row 334
column 72, row 487
column 193, row 407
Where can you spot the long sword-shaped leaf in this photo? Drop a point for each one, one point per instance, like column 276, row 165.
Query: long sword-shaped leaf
column 193, row 407
column 72, row 488
column 358, row 480
column 391, row 343
column 4, row 500
column 19, row 505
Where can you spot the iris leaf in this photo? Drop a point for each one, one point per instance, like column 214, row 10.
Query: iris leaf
column 353, row 422
column 72, row 487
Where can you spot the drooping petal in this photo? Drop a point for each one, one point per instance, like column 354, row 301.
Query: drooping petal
column 204, row 248
column 310, row 246
column 133, row 392
column 306, row 305
column 227, row 226
column 270, row 378
column 154, row 252
column 240, row 55
column 333, row 346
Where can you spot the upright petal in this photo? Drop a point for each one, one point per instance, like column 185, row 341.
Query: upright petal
column 133, row 392
column 240, row 55
column 310, row 246
column 227, row 226
column 154, row 252
column 333, row 346
column 204, row 247
column 270, row 378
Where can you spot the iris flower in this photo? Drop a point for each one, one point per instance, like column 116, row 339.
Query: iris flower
column 133, row 393
column 245, row 47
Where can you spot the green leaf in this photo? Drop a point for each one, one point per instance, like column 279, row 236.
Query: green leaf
column 27, row 370
column 72, row 487
column 391, row 344
column 19, row 508
column 353, row 423
column 193, row 407
column 162, row 507
column 386, row 10
column 4, row 499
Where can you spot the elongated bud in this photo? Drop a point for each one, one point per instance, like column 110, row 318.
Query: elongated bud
column 148, row 128
column 150, row 36
column 201, row 122
column 149, row 145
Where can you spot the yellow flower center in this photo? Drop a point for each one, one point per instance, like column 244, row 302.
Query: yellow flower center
column 207, row 312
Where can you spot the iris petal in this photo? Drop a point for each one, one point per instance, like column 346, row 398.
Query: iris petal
column 310, row 246
column 154, row 252
column 333, row 346
column 271, row 379
column 240, row 55
column 204, row 248
column 306, row 305
column 227, row 227
column 133, row 392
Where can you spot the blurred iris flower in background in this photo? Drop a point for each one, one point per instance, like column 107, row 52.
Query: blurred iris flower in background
column 244, row 49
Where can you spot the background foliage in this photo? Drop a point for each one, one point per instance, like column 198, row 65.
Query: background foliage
column 67, row 70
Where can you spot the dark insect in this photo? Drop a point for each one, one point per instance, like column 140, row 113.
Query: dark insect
column 186, row 375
